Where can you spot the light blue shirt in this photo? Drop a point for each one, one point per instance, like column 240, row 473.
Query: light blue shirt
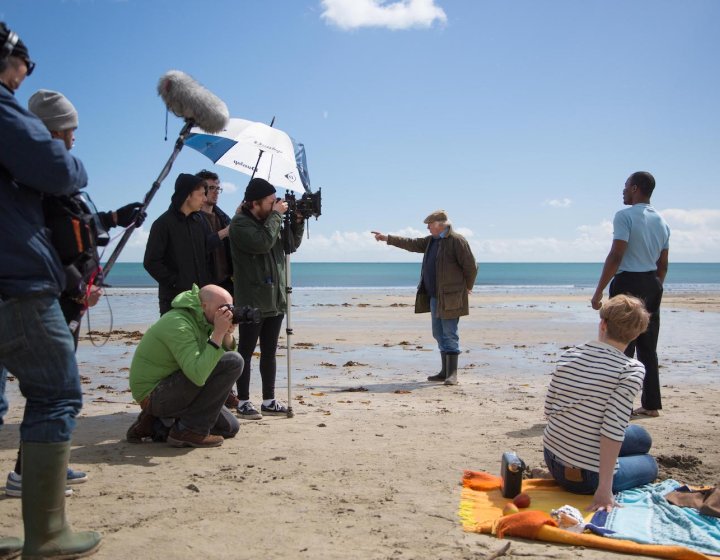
column 646, row 234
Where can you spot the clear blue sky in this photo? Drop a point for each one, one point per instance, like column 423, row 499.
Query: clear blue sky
column 521, row 118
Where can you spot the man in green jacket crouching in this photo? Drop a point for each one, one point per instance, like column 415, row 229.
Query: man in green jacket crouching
column 184, row 368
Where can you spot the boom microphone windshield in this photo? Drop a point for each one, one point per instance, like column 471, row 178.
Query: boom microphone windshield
column 191, row 101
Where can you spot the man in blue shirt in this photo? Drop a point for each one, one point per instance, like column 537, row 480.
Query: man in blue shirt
column 637, row 265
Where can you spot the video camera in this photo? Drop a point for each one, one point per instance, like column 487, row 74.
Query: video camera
column 244, row 315
column 308, row 205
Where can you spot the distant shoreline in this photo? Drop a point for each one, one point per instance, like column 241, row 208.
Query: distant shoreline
column 492, row 277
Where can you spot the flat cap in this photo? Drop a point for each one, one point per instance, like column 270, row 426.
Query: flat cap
column 437, row 216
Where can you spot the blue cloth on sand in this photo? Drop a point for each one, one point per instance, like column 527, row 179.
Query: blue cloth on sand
column 648, row 518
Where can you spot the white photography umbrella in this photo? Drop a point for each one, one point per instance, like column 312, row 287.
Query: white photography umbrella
column 253, row 148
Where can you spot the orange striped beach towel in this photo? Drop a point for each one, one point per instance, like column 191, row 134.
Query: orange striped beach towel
column 481, row 505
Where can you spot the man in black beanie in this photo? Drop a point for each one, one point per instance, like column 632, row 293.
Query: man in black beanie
column 176, row 253
column 32, row 165
column 259, row 276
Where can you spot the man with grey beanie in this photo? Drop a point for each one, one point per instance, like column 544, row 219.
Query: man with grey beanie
column 61, row 119
column 33, row 165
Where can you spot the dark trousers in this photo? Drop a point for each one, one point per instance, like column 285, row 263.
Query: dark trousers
column 268, row 331
column 200, row 409
column 647, row 287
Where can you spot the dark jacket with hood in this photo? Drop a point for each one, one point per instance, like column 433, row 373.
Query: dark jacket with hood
column 31, row 163
column 176, row 254
column 455, row 272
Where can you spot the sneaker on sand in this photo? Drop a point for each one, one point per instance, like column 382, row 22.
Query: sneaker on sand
column 248, row 411
column 13, row 486
column 186, row 438
column 276, row 408
column 76, row 477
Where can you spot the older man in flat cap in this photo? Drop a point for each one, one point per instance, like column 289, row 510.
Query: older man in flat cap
column 447, row 278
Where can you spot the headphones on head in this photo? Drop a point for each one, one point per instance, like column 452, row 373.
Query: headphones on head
column 9, row 44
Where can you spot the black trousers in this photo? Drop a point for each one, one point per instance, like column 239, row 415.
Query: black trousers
column 647, row 287
column 200, row 409
column 268, row 331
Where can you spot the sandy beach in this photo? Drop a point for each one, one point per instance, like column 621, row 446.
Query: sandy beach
column 370, row 466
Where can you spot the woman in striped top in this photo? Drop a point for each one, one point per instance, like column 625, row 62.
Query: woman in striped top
column 589, row 446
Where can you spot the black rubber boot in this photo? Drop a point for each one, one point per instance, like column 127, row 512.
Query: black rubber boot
column 443, row 372
column 47, row 534
column 451, row 378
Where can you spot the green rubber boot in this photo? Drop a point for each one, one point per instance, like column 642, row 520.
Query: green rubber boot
column 10, row 548
column 47, row 534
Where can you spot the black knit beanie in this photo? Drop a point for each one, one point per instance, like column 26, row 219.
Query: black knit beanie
column 184, row 185
column 258, row 188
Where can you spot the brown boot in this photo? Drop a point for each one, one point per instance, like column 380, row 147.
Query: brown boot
column 186, row 438
column 141, row 428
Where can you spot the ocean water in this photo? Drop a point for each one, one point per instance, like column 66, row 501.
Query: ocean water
column 520, row 277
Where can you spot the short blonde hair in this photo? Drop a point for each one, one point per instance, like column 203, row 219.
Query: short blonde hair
column 626, row 318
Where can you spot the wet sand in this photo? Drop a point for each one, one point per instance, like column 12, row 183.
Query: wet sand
column 371, row 463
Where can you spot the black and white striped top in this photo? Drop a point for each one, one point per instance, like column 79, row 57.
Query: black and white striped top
column 591, row 394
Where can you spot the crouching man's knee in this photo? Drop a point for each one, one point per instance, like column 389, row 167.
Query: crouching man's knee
column 232, row 361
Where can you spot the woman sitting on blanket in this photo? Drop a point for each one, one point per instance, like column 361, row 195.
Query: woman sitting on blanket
column 589, row 446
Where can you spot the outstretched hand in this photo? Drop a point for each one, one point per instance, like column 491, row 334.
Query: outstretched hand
column 379, row 236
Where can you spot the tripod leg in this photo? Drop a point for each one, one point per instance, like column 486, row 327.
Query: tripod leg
column 288, row 332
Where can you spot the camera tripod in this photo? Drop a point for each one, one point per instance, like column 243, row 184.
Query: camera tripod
column 289, row 248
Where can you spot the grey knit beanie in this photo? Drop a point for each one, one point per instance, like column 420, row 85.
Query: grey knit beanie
column 53, row 109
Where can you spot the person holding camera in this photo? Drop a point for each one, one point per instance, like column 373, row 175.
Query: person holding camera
column 32, row 165
column 183, row 370
column 176, row 254
column 258, row 255
column 447, row 278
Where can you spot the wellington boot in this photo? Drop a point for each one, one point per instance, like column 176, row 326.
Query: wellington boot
column 451, row 378
column 47, row 534
column 10, row 548
column 443, row 372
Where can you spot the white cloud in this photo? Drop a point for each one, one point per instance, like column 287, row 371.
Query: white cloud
column 559, row 203
column 400, row 14
column 694, row 234
column 695, row 238
column 228, row 188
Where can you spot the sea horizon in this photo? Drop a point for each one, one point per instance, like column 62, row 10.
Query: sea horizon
column 506, row 276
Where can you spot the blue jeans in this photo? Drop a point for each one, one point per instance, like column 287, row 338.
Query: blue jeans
column 444, row 331
column 635, row 466
column 37, row 347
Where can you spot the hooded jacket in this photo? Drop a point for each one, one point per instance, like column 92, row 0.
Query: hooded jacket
column 176, row 254
column 456, row 270
column 31, row 163
column 177, row 341
column 259, row 261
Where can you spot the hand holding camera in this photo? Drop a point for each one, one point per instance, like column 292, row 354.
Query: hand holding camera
column 280, row 205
